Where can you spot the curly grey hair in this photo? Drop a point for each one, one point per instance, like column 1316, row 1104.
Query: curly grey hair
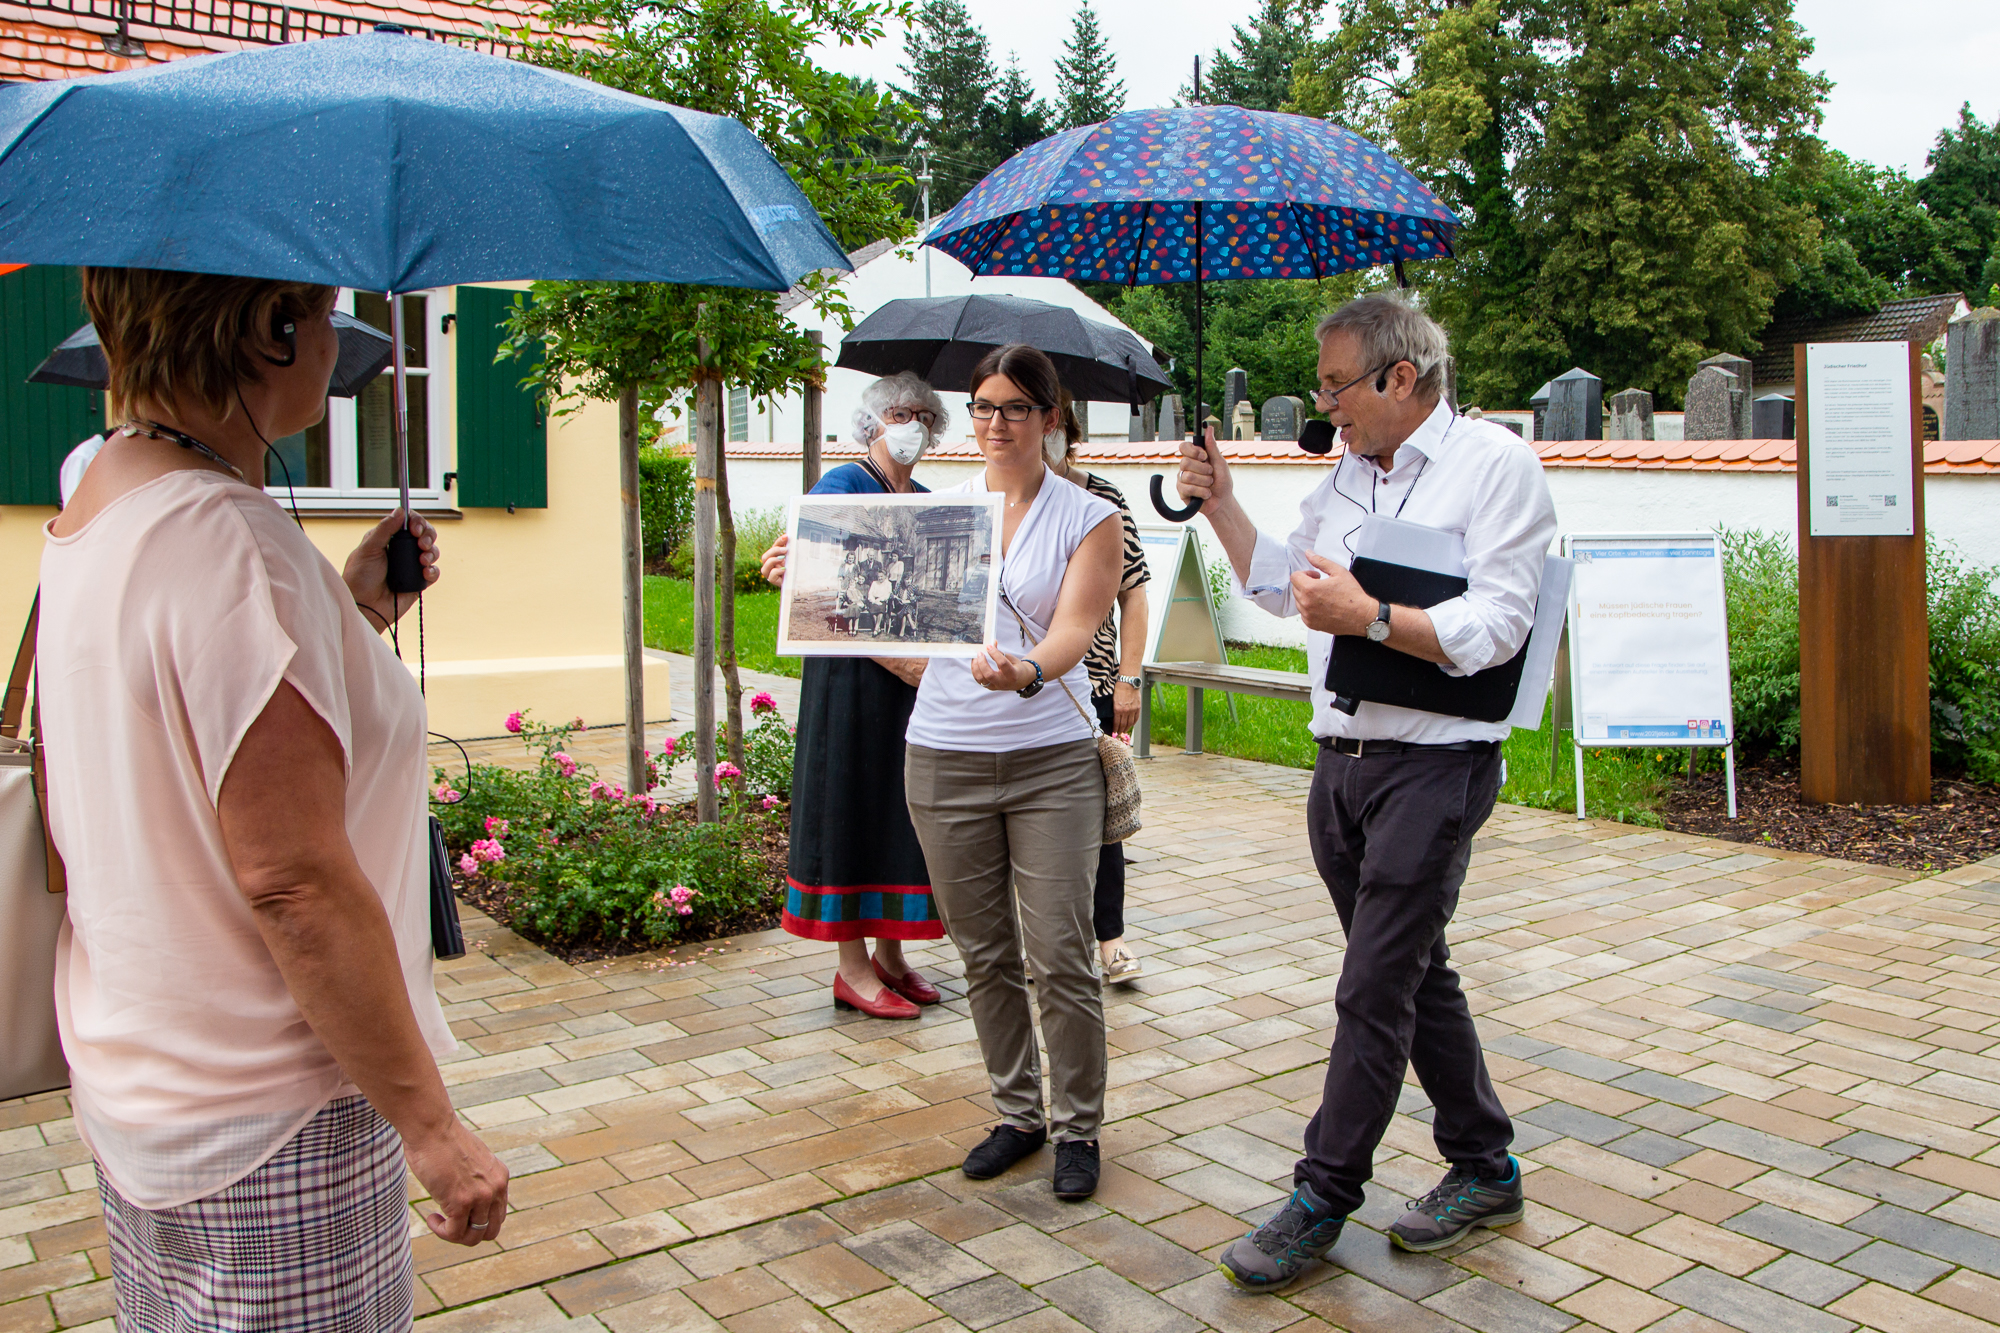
column 902, row 389
column 1390, row 331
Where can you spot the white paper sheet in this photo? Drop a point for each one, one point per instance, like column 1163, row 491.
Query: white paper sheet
column 1858, row 451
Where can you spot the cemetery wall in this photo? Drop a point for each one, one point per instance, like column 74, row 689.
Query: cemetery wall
column 1959, row 508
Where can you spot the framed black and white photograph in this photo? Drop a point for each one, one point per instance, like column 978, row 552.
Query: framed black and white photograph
column 891, row 576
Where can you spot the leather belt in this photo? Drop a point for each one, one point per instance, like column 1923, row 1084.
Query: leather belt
column 1356, row 747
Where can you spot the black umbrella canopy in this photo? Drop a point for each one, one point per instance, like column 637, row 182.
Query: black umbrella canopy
column 365, row 352
column 942, row 338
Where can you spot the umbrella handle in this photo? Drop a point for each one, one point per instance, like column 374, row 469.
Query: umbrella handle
column 406, row 562
column 1166, row 510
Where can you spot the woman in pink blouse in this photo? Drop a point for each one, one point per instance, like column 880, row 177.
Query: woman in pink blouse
column 236, row 784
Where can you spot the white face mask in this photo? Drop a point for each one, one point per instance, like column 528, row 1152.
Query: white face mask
column 1055, row 445
column 906, row 442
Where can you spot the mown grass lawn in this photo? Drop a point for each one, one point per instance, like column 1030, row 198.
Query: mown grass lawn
column 1625, row 785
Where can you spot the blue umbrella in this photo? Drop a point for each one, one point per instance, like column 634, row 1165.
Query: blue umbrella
column 1188, row 194
column 389, row 163
column 392, row 164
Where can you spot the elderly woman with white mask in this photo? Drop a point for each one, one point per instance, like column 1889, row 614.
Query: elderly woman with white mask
column 856, row 871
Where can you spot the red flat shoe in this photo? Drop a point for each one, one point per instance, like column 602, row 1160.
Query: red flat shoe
column 886, row 1005
column 910, row 986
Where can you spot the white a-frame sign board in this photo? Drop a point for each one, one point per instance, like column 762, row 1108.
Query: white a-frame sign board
column 1649, row 645
column 1183, row 625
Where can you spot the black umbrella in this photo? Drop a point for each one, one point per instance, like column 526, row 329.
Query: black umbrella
column 365, row 352
column 941, row 338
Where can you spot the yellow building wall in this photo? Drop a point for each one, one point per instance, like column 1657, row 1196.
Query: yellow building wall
column 528, row 611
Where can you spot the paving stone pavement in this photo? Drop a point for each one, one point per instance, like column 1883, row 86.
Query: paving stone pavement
column 1753, row 1091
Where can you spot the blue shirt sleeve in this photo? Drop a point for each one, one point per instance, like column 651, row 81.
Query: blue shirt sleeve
column 854, row 479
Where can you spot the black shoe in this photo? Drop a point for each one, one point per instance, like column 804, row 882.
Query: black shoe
column 1001, row 1149
column 1461, row 1202
column 1076, row 1170
column 1272, row 1257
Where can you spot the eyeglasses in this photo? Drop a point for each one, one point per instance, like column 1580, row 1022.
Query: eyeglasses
column 899, row 416
column 1328, row 399
column 982, row 411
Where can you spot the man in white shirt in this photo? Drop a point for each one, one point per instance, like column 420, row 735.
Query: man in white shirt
column 1397, row 794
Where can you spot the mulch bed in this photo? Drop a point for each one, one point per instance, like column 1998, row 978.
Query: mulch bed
column 501, row 901
column 1962, row 823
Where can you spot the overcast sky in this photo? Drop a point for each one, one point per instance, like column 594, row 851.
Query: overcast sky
column 1900, row 70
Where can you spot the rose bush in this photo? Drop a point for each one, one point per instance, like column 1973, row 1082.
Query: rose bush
column 587, row 861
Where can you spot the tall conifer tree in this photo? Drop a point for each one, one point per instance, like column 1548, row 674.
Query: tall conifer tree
column 951, row 80
column 1088, row 88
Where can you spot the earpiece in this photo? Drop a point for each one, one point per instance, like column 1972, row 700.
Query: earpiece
column 1381, row 381
column 285, row 331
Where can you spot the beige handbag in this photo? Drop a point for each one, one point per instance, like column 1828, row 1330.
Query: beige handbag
column 1121, row 771
column 31, row 896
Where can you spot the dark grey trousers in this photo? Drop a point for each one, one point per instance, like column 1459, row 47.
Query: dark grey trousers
column 1391, row 834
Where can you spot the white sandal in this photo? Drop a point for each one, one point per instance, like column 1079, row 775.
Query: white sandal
column 1122, row 969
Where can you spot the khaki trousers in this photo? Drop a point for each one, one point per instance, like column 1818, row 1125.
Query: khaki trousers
column 997, row 828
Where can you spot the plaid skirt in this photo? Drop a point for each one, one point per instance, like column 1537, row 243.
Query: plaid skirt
column 316, row 1239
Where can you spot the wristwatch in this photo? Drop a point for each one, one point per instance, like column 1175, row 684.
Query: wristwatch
column 1034, row 687
column 1136, row 682
column 1378, row 628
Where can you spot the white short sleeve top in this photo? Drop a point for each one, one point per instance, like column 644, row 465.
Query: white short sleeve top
column 167, row 623
column 956, row 712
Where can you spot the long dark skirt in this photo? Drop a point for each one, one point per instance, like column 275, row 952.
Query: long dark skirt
column 856, row 871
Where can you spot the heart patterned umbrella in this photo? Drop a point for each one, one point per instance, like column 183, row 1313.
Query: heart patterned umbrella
column 1193, row 194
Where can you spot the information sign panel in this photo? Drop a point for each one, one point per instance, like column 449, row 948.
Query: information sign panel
column 1649, row 640
column 1858, row 447
column 1182, row 621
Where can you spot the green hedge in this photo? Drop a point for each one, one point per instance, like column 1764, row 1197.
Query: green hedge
column 1761, row 582
column 666, row 500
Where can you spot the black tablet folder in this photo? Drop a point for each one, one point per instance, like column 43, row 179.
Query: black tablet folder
column 1377, row 673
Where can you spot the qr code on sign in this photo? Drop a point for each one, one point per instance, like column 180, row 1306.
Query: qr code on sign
column 1888, row 502
column 1833, row 502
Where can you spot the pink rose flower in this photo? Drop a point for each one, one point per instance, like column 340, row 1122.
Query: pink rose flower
column 762, row 702
column 443, row 792
column 488, row 850
column 564, row 762
column 680, row 893
column 514, row 721
column 770, row 803
column 727, row 772
column 467, row 865
column 667, row 750
column 497, row 827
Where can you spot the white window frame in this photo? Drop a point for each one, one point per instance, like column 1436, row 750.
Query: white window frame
column 434, row 381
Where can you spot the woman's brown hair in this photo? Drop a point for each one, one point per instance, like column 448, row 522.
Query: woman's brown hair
column 172, row 337
column 1032, row 372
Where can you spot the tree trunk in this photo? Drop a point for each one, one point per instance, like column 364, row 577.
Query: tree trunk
column 812, row 427
column 708, row 444
column 725, row 626
column 631, row 562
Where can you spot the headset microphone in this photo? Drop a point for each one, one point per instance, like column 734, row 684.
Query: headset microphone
column 1316, row 437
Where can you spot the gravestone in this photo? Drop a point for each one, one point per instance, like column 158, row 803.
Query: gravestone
column 1713, row 399
column 1740, row 424
column 1283, row 416
column 1144, row 424
column 1235, row 389
column 1243, row 422
column 1576, row 406
column 1772, row 418
column 1170, row 417
column 1632, row 415
column 1538, row 402
column 1972, row 376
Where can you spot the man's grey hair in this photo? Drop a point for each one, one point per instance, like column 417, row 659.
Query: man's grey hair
column 902, row 389
column 1391, row 330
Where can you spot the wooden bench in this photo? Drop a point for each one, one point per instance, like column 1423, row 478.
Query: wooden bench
column 1200, row 676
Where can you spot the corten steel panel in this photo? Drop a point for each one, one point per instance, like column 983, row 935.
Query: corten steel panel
column 1864, row 646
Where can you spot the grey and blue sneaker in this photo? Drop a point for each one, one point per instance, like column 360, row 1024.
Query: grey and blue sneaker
column 1272, row 1257
column 1461, row 1202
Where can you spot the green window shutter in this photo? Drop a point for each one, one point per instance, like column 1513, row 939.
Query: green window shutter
column 39, row 423
column 503, row 437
